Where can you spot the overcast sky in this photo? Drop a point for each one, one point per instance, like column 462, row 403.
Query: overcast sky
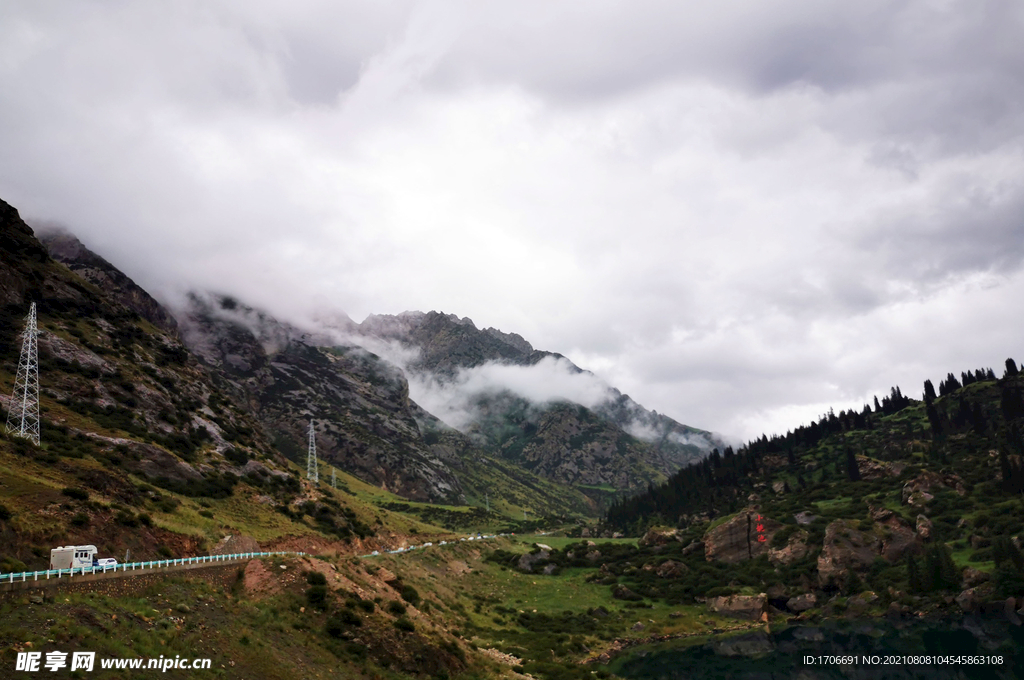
column 739, row 213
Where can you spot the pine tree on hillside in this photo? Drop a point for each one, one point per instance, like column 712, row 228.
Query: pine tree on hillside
column 851, row 465
column 1011, row 368
column 929, row 392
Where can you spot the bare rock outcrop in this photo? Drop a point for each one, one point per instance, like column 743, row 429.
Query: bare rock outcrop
column 744, row 536
column 751, row 607
column 920, row 490
column 659, row 536
column 924, row 527
column 898, row 537
column 845, row 548
column 794, row 550
column 802, row 603
column 234, row 544
column 529, row 560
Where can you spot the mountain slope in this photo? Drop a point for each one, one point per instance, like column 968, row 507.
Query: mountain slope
column 138, row 430
column 360, row 405
column 637, row 446
column 915, row 500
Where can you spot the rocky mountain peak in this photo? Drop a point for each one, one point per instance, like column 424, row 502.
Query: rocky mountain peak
column 72, row 253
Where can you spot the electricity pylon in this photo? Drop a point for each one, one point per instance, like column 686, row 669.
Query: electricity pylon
column 334, row 478
column 23, row 413
column 312, row 473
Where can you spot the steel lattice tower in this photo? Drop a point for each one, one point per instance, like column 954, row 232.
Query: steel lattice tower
column 334, row 478
column 23, row 413
column 312, row 473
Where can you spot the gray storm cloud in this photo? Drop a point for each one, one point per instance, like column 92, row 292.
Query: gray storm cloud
column 738, row 213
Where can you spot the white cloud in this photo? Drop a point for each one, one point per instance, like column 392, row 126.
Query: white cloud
column 730, row 211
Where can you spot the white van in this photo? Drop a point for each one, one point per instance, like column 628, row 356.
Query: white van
column 72, row 556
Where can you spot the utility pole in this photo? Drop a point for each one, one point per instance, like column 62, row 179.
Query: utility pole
column 23, row 414
column 312, row 473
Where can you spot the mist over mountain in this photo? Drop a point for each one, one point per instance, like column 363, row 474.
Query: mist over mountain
column 457, row 370
column 405, row 401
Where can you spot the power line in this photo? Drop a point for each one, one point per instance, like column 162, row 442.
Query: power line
column 312, row 473
column 23, row 414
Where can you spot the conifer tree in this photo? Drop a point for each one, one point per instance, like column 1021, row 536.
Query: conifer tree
column 851, row 465
column 1011, row 368
column 929, row 392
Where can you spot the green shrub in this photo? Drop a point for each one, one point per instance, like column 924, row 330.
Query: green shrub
column 397, row 608
column 315, row 578
column 80, row 520
column 75, row 493
column 404, row 624
column 5, row 514
column 410, row 595
column 11, row 564
column 316, row 595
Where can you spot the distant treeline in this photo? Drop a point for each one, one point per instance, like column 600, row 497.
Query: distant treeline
column 720, row 482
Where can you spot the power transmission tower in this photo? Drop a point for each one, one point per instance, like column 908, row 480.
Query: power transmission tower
column 23, row 414
column 487, row 499
column 312, row 473
column 334, row 478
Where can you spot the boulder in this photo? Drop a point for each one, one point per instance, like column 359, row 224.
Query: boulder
column 794, row 550
column 972, row 577
column 670, row 569
column 543, row 547
column 916, row 492
column 872, row 469
column 924, row 527
column 594, row 555
column 968, row 600
column 527, row 561
column 659, row 536
column 802, row 603
column 898, row 539
column 750, row 607
column 738, row 538
column 637, row 626
column 804, row 518
column 880, row 514
column 779, row 487
column 845, row 548
column 623, row 593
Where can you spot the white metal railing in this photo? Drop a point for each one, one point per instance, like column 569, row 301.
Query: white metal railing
column 21, row 577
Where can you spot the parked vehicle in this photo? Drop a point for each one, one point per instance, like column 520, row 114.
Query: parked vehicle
column 106, row 562
column 72, row 556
